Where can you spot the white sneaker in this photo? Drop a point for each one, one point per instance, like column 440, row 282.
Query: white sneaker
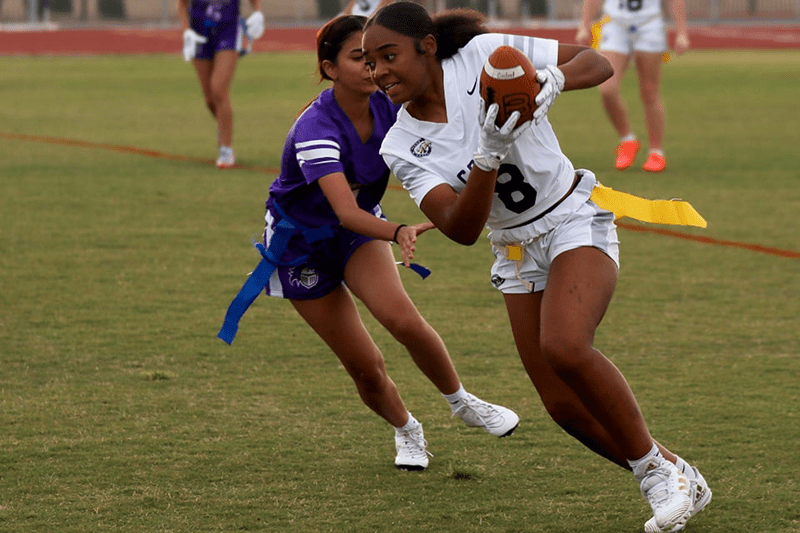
column 702, row 495
column 226, row 158
column 496, row 419
column 669, row 493
column 412, row 449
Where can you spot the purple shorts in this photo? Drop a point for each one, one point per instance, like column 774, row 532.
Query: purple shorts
column 222, row 35
column 322, row 272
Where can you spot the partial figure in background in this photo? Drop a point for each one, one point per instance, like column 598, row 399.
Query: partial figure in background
column 329, row 241
column 364, row 8
column 635, row 29
column 213, row 39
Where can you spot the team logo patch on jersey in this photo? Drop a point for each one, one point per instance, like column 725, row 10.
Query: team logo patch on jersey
column 421, row 148
column 307, row 277
column 497, row 281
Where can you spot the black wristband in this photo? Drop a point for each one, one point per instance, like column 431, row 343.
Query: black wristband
column 394, row 239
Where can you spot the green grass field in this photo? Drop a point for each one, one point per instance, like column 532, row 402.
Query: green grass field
column 120, row 410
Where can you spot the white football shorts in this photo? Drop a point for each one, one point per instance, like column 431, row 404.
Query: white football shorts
column 631, row 35
column 589, row 225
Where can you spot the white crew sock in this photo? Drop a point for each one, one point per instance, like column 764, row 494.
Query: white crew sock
column 455, row 397
column 639, row 466
column 411, row 424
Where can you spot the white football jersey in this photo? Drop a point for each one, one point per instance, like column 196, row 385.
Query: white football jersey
column 632, row 9
column 424, row 155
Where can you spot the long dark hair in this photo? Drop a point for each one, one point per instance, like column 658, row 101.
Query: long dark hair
column 452, row 28
column 332, row 36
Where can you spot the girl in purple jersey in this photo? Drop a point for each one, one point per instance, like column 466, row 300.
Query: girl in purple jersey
column 212, row 38
column 331, row 182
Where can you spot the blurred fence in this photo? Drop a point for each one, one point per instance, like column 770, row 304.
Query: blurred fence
column 566, row 12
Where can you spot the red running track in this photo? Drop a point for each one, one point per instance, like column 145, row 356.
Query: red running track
column 152, row 41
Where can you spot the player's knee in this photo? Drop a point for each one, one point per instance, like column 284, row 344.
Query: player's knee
column 566, row 354
column 404, row 327
column 371, row 378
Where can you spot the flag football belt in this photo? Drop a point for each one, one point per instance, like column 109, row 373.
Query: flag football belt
column 271, row 256
column 285, row 229
column 675, row 212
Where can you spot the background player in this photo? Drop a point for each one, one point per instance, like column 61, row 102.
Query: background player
column 213, row 37
column 636, row 31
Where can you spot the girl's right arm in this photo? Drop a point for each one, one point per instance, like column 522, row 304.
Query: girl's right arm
column 337, row 191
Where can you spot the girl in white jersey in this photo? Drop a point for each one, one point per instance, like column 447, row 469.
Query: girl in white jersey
column 556, row 251
column 635, row 29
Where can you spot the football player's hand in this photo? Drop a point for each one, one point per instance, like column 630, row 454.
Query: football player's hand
column 495, row 142
column 190, row 41
column 255, row 25
column 552, row 80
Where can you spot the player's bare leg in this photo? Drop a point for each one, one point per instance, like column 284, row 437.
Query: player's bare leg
column 573, row 378
column 352, row 344
column 373, row 277
column 224, row 67
column 649, row 69
column 203, row 68
column 617, row 111
column 613, row 103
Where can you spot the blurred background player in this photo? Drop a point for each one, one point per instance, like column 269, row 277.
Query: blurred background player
column 333, row 177
column 364, row 8
column 213, row 39
column 635, row 30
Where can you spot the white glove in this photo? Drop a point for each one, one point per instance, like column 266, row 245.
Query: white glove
column 495, row 142
column 552, row 80
column 255, row 25
column 190, row 41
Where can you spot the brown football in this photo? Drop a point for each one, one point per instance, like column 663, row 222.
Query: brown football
column 509, row 79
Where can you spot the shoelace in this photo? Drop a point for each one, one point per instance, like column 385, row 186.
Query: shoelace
column 657, row 493
column 415, row 443
column 483, row 410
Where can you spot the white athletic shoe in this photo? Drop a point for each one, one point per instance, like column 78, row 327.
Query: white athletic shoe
column 669, row 493
column 496, row 419
column 702, row 495
column 412, row 449
column 226, row 158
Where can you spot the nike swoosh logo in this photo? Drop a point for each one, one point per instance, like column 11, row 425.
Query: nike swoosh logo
column 473, row 87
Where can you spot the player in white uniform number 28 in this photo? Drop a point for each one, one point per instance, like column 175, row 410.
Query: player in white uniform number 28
column 556, row 251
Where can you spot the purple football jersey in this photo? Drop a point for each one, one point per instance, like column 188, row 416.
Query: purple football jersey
column 215, row 10
column 323, row 141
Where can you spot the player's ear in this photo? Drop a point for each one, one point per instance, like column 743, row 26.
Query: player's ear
column 427, row 45
column 330, row 69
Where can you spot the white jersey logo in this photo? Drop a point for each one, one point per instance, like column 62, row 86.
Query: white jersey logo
column 421, row 148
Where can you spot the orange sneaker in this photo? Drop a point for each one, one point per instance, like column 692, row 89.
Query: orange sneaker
column 655, row 162
column 626, row 153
